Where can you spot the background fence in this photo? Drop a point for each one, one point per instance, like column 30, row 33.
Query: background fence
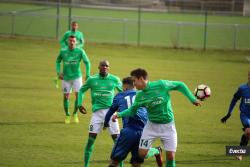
column 137, row 26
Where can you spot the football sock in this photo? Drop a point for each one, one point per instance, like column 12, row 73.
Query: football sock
column 88, row 151
column 75, row 107
column 66, row 106
column 170, row 163
column 151, row 152
column 244, row 140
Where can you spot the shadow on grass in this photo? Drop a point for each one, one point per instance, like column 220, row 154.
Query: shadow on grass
column 209, row 142
column 29, row 123
column 207, row 161
column 91, row 162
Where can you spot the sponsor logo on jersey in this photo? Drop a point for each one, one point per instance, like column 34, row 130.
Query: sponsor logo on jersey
column 157, row 101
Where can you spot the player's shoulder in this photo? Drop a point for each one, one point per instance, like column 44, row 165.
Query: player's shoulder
column 95, row 76
column 126, row 93
column 113, row 77
column 244, row 86
column 67, row 33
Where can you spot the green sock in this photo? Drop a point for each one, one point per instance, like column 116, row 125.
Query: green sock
column 151, row 152
column 170, row 163
column 88, row 151
column 75, row 108
column 66, row 106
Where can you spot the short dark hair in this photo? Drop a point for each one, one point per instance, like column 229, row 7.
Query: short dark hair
column 128, row 80
column 139, row 72
column 72, row 36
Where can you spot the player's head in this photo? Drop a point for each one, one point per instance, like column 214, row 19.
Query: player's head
column 127, row 83
column 74, row 25
column 103, row 68
column 140, row 78
column 72, row 42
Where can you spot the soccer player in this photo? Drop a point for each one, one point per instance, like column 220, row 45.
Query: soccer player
column 71, row 74
column 128, row 140
column 156, row 98
column 242, row 93
column 74, row 31
column 102, row 86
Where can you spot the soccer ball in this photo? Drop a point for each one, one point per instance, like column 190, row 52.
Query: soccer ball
column 202, row 92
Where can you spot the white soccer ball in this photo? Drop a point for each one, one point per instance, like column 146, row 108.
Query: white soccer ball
column 202, row 92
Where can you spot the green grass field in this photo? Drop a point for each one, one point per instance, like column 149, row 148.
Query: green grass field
column 33, row 133
column 120, row 26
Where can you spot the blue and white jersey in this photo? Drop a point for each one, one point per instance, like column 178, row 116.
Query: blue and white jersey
column 242, row 93
column 122, row 101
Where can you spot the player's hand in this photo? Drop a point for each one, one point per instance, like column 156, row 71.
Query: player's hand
column 197, row 103
column 60, row 76
column 105, row 126
column 114, row 117
column 224, row 119
column 82, row 110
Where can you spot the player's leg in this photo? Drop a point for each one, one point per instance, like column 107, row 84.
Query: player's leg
column 89, row 148
column 136, row 160
column 77, row 83
column 114, row 131
column 121, row 147
column 66, row 86
column 169, row 140
column 170, row 158
column 147, row 138
column 245, row 120
column 94, row 128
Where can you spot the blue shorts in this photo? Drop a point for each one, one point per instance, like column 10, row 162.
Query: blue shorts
column 128, row 141
column 245, row 120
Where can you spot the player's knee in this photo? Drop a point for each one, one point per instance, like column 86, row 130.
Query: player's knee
column 113, row 163
column 247, row 133
column 170, row 155
column 143, row 153
column 66, row 96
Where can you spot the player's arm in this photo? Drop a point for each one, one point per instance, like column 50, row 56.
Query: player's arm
column 81, row 40
column 111, row 111
column 63, row 41
column 234, row 100
column 182, row 87
column 58, row 66
column 87, row 63
column 81, row 93
column 119, row 85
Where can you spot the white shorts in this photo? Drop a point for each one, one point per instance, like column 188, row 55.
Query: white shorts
column 166, row 132
column 97, row 120
column 67, row 86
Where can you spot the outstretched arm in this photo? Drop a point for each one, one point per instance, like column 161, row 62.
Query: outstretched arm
column 110, row 112
column 234, row 100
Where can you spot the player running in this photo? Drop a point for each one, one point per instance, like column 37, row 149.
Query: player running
column 242, row 93
column 128, row 140
column 156, row 98
column 74, row 31
column 71, row 74
column 102, row 88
